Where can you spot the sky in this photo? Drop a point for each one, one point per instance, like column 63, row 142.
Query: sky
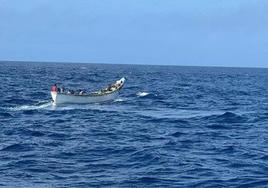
column 166, row 32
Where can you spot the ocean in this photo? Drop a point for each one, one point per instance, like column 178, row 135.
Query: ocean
column 172, row 126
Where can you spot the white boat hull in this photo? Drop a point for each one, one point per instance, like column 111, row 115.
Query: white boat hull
column 65, row 98
column 61, row 98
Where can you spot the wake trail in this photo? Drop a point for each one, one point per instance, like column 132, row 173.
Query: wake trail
column 38, row 106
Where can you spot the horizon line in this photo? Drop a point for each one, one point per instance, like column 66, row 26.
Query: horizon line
column 142, row 64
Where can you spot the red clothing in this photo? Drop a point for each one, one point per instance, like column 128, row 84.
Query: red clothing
column 54, row 88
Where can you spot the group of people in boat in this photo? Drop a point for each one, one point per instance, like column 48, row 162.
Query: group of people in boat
column 111, row 87
column 57, row 89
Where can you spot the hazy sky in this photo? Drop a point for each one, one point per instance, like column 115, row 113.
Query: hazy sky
column 181, row 32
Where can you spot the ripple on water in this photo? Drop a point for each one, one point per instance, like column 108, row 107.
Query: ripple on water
column 18, row 147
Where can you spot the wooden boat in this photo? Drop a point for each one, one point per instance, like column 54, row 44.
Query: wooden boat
column 108, row 94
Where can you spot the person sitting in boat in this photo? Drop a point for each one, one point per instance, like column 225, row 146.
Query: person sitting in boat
column 81, row 92
column 70, row 92
column 109, row 88
column 114, row 87
column 54, row 88
column 62, row 89
column 118, row 83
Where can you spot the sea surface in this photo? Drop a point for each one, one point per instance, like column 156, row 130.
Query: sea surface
column 171, row 126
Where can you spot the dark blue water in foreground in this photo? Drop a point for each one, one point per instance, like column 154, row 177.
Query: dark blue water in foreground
column 170, row 127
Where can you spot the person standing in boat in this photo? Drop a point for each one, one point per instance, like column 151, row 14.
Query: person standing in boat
column 54, row 88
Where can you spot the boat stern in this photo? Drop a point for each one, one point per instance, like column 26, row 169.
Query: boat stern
column 53, row 92
column 54, row 97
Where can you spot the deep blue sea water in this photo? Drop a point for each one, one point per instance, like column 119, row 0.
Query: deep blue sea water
column 170, row 127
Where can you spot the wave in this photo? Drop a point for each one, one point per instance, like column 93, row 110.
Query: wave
column 169, row 113
column 142, row 94
column 17, row 101
column 226, row 117
column 5, row 115
column 17, row 147
column 177, row 134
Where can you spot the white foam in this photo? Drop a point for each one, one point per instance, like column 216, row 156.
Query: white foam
column 30, row 107
column 142, row 94
column 119, row 100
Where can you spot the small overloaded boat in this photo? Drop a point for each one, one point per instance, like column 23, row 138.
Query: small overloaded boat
column 61, row 96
